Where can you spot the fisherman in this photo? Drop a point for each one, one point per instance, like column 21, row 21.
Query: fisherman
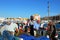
column 9, row 31
column 27, row 26
column 31, row 25
column 51, row 30
column 42, row 29
column 36, row 27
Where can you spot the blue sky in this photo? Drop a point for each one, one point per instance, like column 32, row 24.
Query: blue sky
column 26, row 8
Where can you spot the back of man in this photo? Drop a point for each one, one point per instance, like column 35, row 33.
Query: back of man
column 9, row 31
column 12, row 27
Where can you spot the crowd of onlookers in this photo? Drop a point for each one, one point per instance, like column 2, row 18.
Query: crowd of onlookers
column 31, row 27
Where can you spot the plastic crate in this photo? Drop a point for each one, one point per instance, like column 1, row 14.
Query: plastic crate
column 43, row 38
column 27, row 37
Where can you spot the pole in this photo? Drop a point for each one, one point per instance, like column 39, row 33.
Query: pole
column 48, row 10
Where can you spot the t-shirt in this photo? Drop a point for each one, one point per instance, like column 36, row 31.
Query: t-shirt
column 42, row 25
column 12, row 27
column 36, row 25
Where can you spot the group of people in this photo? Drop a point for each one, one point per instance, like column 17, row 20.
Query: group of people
column 31, row 27
column 35, row 28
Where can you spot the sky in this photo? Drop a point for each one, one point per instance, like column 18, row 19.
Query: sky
column 26, row 8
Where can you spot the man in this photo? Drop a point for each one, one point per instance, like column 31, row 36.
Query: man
column 42, row 29
column 31, row 25
column 51, row 30
column 10, row 29
column 36, row 27
column 2, row 27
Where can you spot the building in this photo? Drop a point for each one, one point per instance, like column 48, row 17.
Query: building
column 53, row 18
column 36, row 17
